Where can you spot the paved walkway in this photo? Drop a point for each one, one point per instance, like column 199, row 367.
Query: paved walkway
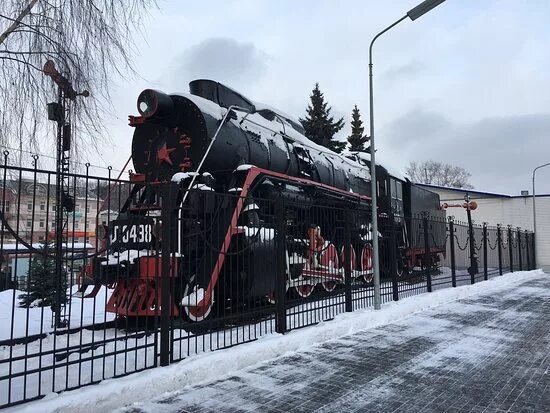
column 482, row 354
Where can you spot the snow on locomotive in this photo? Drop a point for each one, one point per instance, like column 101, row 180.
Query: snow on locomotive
column 240, row 159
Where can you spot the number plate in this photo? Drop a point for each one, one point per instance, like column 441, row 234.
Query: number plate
column 131, row 234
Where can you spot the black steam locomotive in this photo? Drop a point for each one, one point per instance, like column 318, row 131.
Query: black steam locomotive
column 232, row 161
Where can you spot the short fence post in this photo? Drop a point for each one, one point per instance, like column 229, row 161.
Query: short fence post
column 280, row 283
column 347, row 260
column 519, row 249
column 527, row 250
column 393, row 265
column 485, row 272
column 166, row 296
column 499, row 243
column 428, row 273
column 510, row 248
column 452, row 241
column 473, row 269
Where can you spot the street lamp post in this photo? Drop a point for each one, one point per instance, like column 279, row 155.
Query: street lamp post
column 413, row 14
column 534, row 206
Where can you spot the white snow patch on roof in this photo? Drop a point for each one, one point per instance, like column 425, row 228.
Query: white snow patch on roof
column 381, row 162
column 205, row 105
column 275, row 130
column 262, row 106
column 244, row 167
column 180, row 176
column 40, row 246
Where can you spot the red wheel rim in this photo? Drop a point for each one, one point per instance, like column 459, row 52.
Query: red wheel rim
column 366, row 263
column 199, row 312
column 329, row 286
column 353, row 257
column 304, row 290
column 329, row 259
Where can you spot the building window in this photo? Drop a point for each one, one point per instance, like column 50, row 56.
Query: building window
column 42, row 207
column 54, row 208
column 29, row 206
column 29, row 223
column 88, row 208
column 41, row 224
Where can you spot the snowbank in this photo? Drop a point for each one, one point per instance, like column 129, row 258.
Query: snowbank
column 38, row 320
column 111, row 394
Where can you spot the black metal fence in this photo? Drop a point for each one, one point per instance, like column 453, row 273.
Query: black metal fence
column 210, row 278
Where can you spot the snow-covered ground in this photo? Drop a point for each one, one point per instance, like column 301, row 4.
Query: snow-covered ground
column 113, row 393
column 38, row 320
column 86, row 312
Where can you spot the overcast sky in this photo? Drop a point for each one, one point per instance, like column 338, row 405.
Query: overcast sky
column 468, row 83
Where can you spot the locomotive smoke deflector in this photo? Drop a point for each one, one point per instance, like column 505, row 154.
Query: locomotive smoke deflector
column 154, row 103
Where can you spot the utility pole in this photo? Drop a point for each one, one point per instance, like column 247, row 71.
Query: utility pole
column 59, row 112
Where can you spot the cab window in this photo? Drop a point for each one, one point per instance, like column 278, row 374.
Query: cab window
column 396, row 190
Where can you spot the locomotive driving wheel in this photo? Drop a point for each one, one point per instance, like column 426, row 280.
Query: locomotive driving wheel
column 195, row 308
column 353, row 256
column 304, row 290
column 366, row 263
column 329, row 260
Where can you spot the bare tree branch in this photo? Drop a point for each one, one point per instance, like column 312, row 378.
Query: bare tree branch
column 17, row 21
column 90, row 42
column 439, row 173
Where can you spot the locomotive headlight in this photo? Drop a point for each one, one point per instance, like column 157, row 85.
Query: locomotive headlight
column 154, row 103
column 146, row 104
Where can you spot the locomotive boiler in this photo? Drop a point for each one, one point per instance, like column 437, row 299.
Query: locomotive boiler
column 233, row 165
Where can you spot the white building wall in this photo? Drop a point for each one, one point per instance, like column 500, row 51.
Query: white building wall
column 515, row 211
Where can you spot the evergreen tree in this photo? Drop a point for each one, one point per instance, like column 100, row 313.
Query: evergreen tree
column 319, row 125
column 357, row 140
column 42, row 281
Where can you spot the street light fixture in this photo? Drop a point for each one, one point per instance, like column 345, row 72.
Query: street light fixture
column 413, row 14
column 534, row 205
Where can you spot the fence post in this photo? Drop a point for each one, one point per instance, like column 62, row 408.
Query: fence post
column 485, row 272
column 393, row 265
column 347, row 260
column 473, row 269
column 452, row 241
column 426, row 260
column 280, row 283
column 499, row 243
column 165, row 299
column 535, row 246
column 527, row 251
column 520, row 260
column 510, row 247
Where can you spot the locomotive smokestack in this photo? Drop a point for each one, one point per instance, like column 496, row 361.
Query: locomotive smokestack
column 153, row 103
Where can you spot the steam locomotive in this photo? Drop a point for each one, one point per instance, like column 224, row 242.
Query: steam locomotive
column 232, row 162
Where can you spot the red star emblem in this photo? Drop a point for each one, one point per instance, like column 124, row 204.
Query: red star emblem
column 163, row 154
